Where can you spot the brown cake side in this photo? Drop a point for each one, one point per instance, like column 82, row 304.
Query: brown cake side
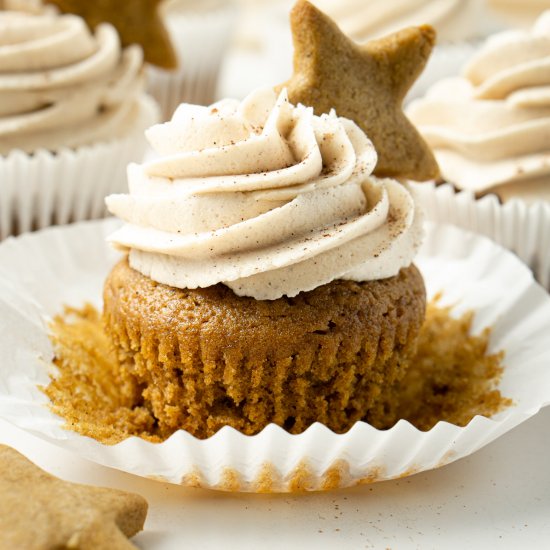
column 206, row 358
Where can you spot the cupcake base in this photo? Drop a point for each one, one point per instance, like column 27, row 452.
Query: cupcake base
column 206, row 358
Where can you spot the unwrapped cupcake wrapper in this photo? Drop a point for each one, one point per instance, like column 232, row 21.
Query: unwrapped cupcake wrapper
column 54, row 188
column 40, row 273
column 200, row 40
column 522, row 228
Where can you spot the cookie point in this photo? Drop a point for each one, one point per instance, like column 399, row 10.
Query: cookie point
column 303, row 10
column 429, row 33
column 301, row 5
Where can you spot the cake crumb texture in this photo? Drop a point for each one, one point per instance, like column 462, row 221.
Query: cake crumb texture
column 452, row 377
column 206, row 358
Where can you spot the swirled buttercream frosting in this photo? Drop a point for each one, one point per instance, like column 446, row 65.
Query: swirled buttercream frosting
column 367, row 19
column 61, row 85
column 265, row 197
column 490, row 128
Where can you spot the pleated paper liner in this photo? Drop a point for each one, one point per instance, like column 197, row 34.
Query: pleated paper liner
column 520, row 227
column 42, row 272
column 46, row 188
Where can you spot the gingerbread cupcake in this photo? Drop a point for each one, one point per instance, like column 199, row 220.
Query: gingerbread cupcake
column 72, row 116
column 269, row 275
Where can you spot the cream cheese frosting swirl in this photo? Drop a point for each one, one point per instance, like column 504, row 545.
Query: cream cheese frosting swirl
column 265, row 197
column 61, row 86
column 490, row 129
column 367, row 19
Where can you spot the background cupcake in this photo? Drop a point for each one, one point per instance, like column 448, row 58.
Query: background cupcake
column 518, row 12
column 184, row 42
column 72, row 115
column 489, row 132
column 200, row 33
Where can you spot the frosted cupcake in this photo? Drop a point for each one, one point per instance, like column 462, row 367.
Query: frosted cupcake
column 489, row 132
column 72, row 115
column 200, row 33
column 489, row 128
column 269, row 274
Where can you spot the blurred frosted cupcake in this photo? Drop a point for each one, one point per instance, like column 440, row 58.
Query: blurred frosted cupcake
column 72, row 115
column 518, row 13
column 200, row 33
column 489, row 131
column 269, row 276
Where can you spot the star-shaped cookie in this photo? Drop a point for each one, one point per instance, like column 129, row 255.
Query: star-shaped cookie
column 137, row 22
column 38, row 510
column 365, row 83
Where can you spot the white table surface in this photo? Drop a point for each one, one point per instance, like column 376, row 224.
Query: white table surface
column 498, row 498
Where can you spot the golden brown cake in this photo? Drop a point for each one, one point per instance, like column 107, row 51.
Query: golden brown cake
column 206, row 358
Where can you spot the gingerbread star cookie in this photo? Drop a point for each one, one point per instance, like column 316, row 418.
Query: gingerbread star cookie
column 38, row 510
column 365, row 83
column 137, row 22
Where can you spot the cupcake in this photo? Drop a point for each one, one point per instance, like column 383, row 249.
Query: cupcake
column 488, row 129
column 72, row 116
column 200, row 33
column 268, row 276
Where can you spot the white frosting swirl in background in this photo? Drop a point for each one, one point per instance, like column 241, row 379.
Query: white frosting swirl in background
column 490, row 130
column 367, row 19
column 61, row 86
column 264, row 197
column 518, row 13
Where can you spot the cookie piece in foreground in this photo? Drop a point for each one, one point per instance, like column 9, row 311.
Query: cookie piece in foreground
column 365, row 83
column 38, row 510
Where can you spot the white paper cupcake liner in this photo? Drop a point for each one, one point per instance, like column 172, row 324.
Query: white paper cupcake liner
column 39, row 273
column 45, row 188
column 200, row 38
column 522, row 228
